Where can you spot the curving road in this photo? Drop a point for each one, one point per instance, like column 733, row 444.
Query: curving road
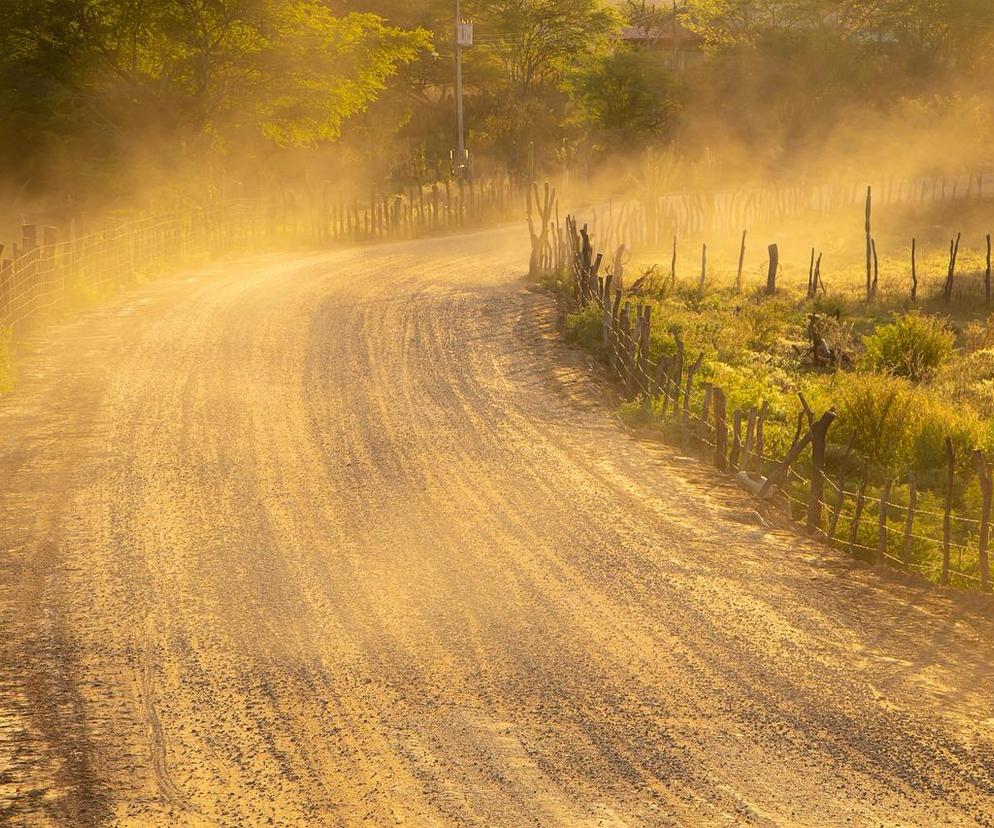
column 326, row 539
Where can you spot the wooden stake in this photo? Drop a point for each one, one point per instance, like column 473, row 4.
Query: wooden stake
column 946, row 527
column 771, row 274
column 914, row 269
column 742, row 253
column 986, row 490
column 869, row 245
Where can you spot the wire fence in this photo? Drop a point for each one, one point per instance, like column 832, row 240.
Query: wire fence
column 51, row 266
column 694, row 413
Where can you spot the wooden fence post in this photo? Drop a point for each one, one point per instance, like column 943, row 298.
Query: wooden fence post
column 914, row 269
column 869, row 245
column 688, row 386
column 771, row 274
column 987, row 273
column 702, row 425
column 742, row 254
column 947, row 289
column 946, row 525
column 749, row 438
column 986, row 488
column 720, row 431
column 780, row 472
column 819, row 433
column 759, row 445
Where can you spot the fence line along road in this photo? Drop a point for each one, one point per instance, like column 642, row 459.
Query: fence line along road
column 696, row 412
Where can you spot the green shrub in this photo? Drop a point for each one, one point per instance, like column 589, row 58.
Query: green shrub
column 873, row 409
column 763, row 324
column 913, row 346
column 585, row 328
column 898, row 426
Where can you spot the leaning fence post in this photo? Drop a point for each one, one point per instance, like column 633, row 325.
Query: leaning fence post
column 950, row 475
column 882, row 522
column 819, row 433
column 780, row 472
column 750, row 436
column 760, row 445
column 986, row 487
column 702, row 425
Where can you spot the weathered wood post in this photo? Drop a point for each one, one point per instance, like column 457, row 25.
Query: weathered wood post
column 643, row 347
column 819, row 433
column 987, row 273
column 720, row 431
column 750, row 436
column 688, row 387
column 909, row 517
column 946, row 516
column 876, row 267
column 705, row 420
column 704, row 265
column 771, row 273
column 914, row 269
column 780, row 472
column 623, row 340
column 986, row 488
column 947, row 290
column 742, row 254
column 869, row 245
column 673, row 265
column 759, row 447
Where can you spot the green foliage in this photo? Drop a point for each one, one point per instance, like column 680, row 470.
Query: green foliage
column 193, row 80
column 913, row 346
column 898, row 426
column 763, row 324
column 585, row 328
column 628, row 96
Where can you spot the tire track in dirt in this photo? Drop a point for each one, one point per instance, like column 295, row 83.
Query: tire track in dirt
column 352, row 537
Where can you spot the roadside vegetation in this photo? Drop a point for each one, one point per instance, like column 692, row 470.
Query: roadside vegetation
column 902, row 377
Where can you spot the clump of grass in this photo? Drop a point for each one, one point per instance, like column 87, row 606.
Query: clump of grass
column 914, row 346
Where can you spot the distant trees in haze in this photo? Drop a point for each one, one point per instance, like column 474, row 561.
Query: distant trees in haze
column 99, row 91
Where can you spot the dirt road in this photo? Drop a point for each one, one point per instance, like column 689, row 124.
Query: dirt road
column 325, row 539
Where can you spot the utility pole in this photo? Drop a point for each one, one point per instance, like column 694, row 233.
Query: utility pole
column 463, row 37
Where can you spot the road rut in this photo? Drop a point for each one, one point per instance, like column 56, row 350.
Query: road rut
column 351, row 536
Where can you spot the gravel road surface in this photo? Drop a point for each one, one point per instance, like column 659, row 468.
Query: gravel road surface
column 325, row 539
